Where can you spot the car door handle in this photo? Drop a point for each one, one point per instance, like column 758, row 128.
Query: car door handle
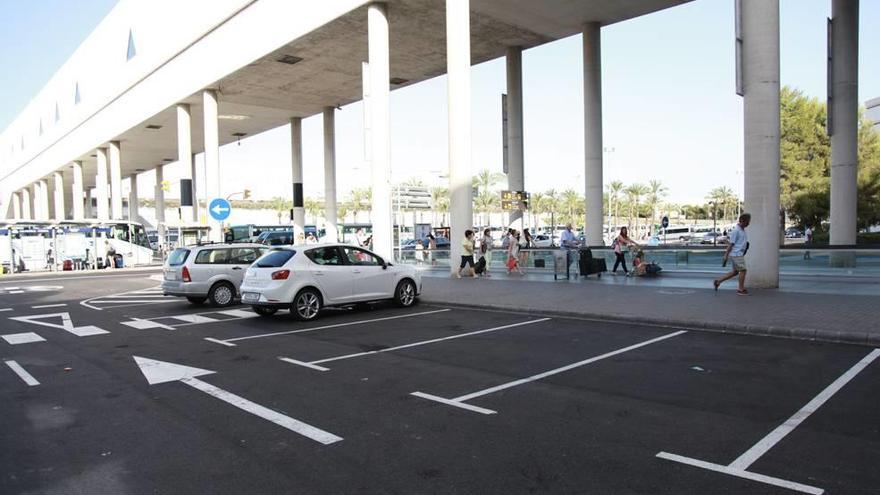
column 319, row 274
column 236, row 268
column 355, row 271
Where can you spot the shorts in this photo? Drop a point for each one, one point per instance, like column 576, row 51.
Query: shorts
column 739, row 263
column 466, row 260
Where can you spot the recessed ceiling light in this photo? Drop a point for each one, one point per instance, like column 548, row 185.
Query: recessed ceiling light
column 288, row 59
column 166, row 160
column 396, row 81
column 154, row 127
column 138, row 170
column 233, row 117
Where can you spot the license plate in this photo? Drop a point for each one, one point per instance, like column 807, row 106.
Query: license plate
column 170, row 276
column 250, row 297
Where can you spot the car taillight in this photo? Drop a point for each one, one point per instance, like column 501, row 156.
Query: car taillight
column 185, row 275
column 280, row 275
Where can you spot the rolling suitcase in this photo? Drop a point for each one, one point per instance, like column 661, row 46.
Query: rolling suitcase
column 587, row 265
column 480, row 267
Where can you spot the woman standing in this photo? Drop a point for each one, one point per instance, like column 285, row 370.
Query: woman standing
column 467, row 254
column 432, row 245
column 486, row 248
column 528, row 243
column 513, row 254
column 619, row 243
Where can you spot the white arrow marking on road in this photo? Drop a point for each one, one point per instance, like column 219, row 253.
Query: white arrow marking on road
column 217, row 209
column 66, row 324
column 161, row 372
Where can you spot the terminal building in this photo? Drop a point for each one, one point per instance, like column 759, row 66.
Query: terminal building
column 157, row 82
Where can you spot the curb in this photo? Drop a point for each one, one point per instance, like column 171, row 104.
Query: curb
column 70, row 273
column 862, row 338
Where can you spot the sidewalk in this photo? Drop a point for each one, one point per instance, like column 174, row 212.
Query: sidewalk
column 25, row 276
column 673, row 300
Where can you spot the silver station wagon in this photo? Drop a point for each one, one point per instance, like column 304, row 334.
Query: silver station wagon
column 210, row 272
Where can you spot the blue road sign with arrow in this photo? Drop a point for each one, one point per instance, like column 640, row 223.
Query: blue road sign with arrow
column 219, row 209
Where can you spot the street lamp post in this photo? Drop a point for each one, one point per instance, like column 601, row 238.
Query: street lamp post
column 714, row 229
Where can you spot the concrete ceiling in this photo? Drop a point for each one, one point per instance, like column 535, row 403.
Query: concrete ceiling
column 269, row 92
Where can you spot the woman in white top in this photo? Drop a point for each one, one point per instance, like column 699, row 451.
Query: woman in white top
column 513, row 254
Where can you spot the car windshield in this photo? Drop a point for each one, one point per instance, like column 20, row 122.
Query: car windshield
column 275, row 259
column 177, row 257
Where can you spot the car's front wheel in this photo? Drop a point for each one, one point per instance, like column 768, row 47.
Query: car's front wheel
column 264, row 311
column 306, row 305
column 405, row 293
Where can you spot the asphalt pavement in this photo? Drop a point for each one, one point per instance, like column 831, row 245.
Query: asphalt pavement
column 437, row 398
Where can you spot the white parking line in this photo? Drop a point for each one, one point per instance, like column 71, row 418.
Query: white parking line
column 22, row 373
column 227, row 342
column 140, row 324
column 221, row 342
column 195, row 318
column 312, row 364
column 459, row 401
column 6, row 309
column 739, row 466
column 22, row 338
column 49, row 306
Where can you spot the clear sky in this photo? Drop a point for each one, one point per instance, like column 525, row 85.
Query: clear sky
column 669, row 107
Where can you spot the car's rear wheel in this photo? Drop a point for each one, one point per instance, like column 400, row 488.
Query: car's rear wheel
column 306, row 305
column 222, row 294
column 264, row 311
column 405, row 293
column 196, row 301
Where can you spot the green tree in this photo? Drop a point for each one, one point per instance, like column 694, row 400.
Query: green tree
column 486, row 180
column 635, row 193
column 314, row 208
column 439, row 203
column 615, row 190
column 361, row 200
column 656, row 192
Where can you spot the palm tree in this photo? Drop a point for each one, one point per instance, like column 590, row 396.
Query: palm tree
column 361, row 200
column 615, row 188
column 635, row 193
column 656, row 192
column 538, row 206
column 571, row 202
column 486, row 180
column 342, row 210
column 314, row 208
column 439, row 203
column 551, row 199
column 279, row 205
column 486, row 202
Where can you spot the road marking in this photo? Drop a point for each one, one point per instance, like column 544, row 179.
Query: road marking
column 44, row 306
column 454, row 403
column 740, row 464
column 742, row 474
column 30, row 288
column 221, row 342
column 22, row 338
column 459, row 400
column 161, row 372
column 139, row 297
column 22, row 373
column 239, row 313
column 335, row 325
column 66, row 324
column 300, row 363
column 196, row 318
column 62, row 278
column 406, row 346
column 140, row 324
column 6, row 309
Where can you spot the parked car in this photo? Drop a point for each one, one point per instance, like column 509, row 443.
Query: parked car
column 276, row 238
column 793, row 233
column 542, row 241
column 306, row 279
column 210, row 272
column 714, row 238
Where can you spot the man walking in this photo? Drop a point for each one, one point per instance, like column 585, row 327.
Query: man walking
column 736, row 254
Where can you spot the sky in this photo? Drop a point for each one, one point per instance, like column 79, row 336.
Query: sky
column 670, row 111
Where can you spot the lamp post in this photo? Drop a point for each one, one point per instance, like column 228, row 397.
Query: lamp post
column 714, row 229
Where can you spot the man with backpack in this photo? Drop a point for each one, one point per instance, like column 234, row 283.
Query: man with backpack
column 736, row 253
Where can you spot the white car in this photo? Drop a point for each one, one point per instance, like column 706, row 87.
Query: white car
column 306, row 278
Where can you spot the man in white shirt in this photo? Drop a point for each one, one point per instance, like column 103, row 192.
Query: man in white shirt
column 736, row 253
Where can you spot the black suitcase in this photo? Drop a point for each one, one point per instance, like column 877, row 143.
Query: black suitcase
column 587, row 265
column 480, row 266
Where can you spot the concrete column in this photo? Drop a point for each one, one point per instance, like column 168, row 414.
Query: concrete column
column 296, row 169
column 458, row 66
column 26, row 212
column 760, row 75
column 380, row 127
column 103, row 207
column 60, row 211
column 35, row 194
column 91, row 200
column 160, row 204
column 844, row 90
column 43, row 186
column 133, row 199
column 515, row 173
column 115, row 155
column 330, row 222
column 593, row 133
column 212, row 158
column 16, row 206
column 78, row 211
column 184, row 155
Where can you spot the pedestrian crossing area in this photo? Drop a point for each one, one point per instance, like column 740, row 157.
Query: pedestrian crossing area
column 141, row 297
column 172, row 322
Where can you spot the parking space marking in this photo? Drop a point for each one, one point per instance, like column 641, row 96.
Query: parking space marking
column 238, row 313
column 5, row 309
column 66, row 324
column 140, row 324
column 227, row 342
column 22, row 373
column 22, row 338
column 459, row 401
column 44, row 306
column 139, row 297
column 162, row 372
column 196, row 318
column 311, row 364
column 739, row 466
column 174, row 321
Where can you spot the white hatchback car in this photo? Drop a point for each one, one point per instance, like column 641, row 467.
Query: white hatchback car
column 305, row 279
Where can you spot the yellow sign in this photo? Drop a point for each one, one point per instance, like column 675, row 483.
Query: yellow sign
column 166, row 186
